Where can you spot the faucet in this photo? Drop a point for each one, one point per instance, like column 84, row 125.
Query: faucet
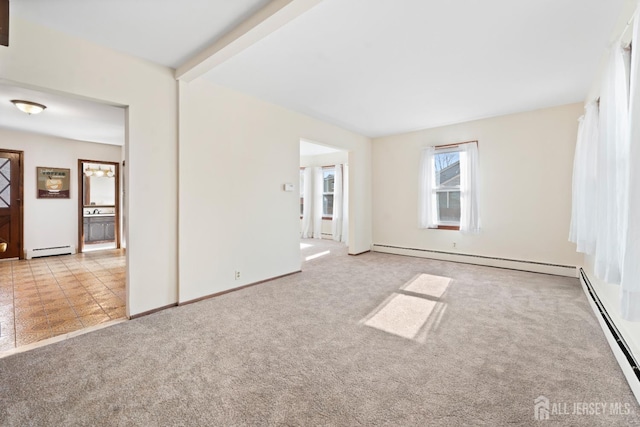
column 96, row 211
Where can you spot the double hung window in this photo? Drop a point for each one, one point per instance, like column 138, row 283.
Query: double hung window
column 447, row 187
column 328, row 182
column 448, row 193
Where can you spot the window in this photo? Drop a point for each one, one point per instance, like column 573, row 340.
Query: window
column 328, row 186
column 448, row 197
column 328, row 181
column 301, row 191
column 447, row 187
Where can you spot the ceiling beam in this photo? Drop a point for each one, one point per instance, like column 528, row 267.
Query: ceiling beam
column 264, row 22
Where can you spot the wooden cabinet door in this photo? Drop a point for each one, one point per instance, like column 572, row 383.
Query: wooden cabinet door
column 110, row 230
column 96, row 231
column 99, row 229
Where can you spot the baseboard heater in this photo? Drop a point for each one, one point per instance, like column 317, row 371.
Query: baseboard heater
column 512, row 264
column 51, row 251
column 615, row 333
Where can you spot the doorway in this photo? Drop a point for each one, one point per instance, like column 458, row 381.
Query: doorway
column 98, row 205
column 324, row 192
column 55, row 295
column 11, row 209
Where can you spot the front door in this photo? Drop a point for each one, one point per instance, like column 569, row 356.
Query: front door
column 11, row 203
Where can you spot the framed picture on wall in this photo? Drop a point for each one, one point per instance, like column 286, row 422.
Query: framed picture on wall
column 52, row 183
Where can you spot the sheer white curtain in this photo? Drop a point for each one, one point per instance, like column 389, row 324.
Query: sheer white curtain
column 469, row 201
column 336, row 221
column 318, row 187
column 345, row 203
column 427, row 215
column 584, row 199
column 612, row 169
column 630, row 283
column 307, row 207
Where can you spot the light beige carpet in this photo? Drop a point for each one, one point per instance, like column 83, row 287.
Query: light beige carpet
column 375, row 339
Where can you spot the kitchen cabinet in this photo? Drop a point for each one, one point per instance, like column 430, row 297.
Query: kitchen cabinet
column 99, row 228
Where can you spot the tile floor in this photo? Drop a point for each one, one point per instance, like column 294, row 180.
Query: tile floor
column 45, row 297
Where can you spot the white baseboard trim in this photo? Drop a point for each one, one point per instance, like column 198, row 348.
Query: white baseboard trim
column 615, row 339
column 512, row 264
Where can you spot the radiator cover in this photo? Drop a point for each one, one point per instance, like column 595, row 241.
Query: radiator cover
column 54, row 250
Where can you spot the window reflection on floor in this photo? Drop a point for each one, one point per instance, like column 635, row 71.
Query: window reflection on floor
column 402, row 315
column 317, row 252
column 412, row 311
column 318, row 255
column 428, row 284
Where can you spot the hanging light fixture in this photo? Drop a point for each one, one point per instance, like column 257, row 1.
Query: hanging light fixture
column 99, row 172
column 110, row 172
column 28, row 106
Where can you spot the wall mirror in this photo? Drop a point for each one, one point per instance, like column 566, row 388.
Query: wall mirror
column 99, row 187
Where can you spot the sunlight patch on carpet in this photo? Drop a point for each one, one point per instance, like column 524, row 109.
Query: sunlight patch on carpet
column 402, row 315
column 427, row 284
column 414, row 310
column 318, row 255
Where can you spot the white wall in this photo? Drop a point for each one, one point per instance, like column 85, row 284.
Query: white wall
column 526, row 163
column 236, row 152
column 47, row 59
column 328, row 159
column 52, row 222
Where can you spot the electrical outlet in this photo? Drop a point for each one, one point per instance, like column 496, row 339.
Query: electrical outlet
column 237, row 275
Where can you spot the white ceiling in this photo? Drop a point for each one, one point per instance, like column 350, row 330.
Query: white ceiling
column 377, row 67
column 164, row 31
column 382, row 67
column 311, row 149
column 65, row 117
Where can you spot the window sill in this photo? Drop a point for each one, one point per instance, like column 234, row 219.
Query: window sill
column 446, row 227
column 324, row 217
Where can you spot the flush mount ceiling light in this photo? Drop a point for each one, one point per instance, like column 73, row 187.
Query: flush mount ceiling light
column 28, row 106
